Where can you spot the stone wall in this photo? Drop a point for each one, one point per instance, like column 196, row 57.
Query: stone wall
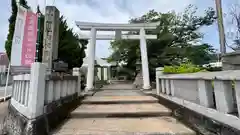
column 210, row 94
column 201, row 124
column 231, row 61
column 17, row 124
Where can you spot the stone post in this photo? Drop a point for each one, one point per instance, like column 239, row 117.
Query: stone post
column 109, row 73
column 99, row 73
column 237, row 94
column 37, row 89
column 205, row 93
column 51, row 36
column 159, row 72
column 76, row 72
column 223, row 96
column 105, row 73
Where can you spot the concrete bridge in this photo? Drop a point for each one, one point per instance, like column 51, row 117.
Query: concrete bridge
column 185, row 104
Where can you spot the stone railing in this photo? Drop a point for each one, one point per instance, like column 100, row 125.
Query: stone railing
column 36, row 95
column 215, row 95
column 20, row 96
column 57, row 87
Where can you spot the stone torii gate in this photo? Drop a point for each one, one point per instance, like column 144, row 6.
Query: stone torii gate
column 118, row 28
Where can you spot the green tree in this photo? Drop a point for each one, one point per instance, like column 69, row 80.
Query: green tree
column 177, row 42
column 23, row 3
column 69, row 49
column 41, row 32
column 200, row 54
column 11, row 28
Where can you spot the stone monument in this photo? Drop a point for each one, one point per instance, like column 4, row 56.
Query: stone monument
column 51, row 36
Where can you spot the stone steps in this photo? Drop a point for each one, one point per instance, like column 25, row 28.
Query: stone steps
column 124, row 126
column 122, row 115
column 121, row 110
column 120, row 82
column 119, row 100
column 116, row 86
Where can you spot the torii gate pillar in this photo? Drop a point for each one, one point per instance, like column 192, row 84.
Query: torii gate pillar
column 91, row 60
column 144, row 58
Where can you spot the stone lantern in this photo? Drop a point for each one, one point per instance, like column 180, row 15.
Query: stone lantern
column 138, row 82
column 138, row 65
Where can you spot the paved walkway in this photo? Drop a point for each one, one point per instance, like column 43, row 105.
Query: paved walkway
column 3, row 112
column 4, row 105
column 121, row 112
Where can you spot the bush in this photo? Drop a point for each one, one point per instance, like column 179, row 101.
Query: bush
column 183, row 68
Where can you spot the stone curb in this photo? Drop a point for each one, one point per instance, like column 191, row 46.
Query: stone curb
column 6, row 98
column 120, row 114
column 89, row 93
column 119, row 102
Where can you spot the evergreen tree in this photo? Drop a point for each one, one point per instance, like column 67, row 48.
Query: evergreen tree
column 69, row 50
column 41, row 32
column 12, row 20
column 23, row 3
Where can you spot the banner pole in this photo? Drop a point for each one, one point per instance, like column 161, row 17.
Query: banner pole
column 6, row 86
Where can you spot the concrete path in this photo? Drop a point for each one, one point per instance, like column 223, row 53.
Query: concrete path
column 3, row 112
column 121, row 112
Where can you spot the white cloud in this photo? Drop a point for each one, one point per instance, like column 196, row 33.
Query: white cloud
column 113, row 11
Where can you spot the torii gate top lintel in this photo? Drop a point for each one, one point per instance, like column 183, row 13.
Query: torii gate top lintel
column 115, row 26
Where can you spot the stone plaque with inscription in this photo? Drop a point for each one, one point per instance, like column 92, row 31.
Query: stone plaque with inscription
column 51, row 36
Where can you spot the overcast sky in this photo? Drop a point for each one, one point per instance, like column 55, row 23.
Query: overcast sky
column 112, row 11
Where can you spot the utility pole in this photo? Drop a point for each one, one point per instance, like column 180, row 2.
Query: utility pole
column 221, row 27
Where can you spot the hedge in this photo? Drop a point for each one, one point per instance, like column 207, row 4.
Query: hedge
column 183, row 68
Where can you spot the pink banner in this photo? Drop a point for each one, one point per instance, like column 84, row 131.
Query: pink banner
column 29, row 39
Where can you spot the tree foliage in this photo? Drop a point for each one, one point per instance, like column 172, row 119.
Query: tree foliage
column 68, row 49
column 177, row 42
